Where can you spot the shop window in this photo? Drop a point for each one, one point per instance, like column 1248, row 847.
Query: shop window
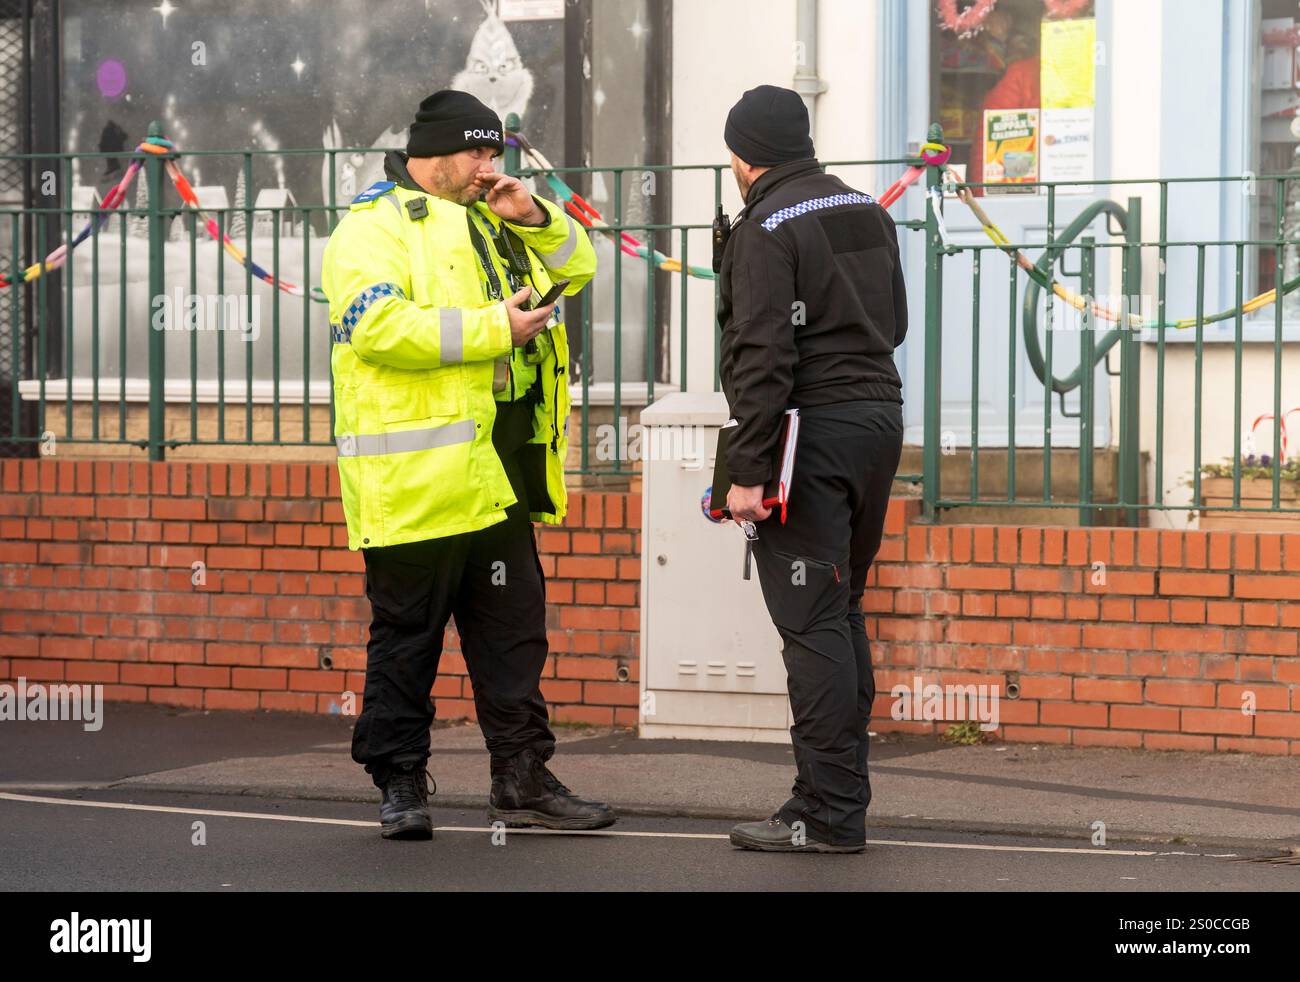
column 1013, row 85
column 1277, row 150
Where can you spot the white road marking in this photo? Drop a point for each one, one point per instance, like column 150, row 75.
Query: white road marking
column 603, row 833
column 870, row 842
column 130, row 807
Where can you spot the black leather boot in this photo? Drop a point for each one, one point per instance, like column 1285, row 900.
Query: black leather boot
column 775, row 836
column 525, row 793
column 404, row 813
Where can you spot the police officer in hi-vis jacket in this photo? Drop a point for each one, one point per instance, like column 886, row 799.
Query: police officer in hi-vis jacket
column 452, row 399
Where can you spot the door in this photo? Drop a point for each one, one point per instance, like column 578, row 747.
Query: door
column 956, row 80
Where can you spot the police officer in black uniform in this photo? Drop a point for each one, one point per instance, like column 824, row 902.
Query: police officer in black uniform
column 812, row 307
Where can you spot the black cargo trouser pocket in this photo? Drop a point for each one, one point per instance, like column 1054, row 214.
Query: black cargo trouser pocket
column 801, row 592
column 399, row 584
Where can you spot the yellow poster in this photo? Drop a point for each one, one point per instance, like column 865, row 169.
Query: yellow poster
column 1010, row 149
column 1068, row 74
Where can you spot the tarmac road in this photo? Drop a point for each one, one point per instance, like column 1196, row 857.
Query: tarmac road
column 114, row 840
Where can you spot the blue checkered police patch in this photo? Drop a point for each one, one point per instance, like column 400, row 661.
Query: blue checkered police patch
column 343, row 333
column 815, row 204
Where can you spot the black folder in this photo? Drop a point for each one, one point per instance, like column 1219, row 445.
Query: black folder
column 776, row 494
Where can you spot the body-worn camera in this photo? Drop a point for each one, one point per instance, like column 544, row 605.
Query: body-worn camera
column 512, row 250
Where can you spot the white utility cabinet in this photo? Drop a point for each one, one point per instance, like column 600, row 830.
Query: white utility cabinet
column 711, row 665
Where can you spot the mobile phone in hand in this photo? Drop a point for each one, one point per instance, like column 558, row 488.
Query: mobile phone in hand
column 553, row 294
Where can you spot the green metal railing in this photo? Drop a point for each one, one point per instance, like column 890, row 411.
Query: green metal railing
column 49, row 345
column 1123, row 226
column 678, row 245
column 53, row 348
column 103, row 376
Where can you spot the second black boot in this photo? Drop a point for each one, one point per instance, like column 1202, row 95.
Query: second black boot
column 404, row 812
column 525, row 793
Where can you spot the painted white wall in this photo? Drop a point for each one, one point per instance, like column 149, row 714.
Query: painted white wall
column 845, row 127
column 1217, row 420
column 1141, row 147
column 721, row 49
column 1133, row 62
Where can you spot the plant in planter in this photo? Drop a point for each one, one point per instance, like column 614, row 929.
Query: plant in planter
column 1256, row 489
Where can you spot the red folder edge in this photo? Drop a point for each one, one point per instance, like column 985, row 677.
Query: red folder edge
column 782, row 498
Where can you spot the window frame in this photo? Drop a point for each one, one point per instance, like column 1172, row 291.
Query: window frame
column 1261, row 322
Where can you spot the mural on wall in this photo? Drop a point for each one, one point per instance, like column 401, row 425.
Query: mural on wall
column 493, row 72
column 245, row 74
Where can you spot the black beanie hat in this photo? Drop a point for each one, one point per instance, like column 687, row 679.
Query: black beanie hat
column 450, row 121
column 769, row 126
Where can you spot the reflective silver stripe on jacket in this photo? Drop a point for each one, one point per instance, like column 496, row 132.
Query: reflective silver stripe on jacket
column 560, row 255
column 405, row 441
column 451, row 336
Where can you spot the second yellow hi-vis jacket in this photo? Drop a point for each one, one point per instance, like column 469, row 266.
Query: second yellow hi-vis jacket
column 416, row 346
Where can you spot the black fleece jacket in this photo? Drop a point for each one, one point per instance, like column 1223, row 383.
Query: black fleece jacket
column 812, row 305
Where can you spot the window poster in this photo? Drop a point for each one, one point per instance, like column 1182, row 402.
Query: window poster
column 1068, row 87
column 1068, row 53
column 1010, row 150
column 1067, row 148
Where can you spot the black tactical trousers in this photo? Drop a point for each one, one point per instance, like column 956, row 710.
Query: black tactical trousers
column 491, row 582
column 813, row 571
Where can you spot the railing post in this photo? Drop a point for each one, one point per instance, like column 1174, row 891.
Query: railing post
column 1087, row 341
column 153, row 167
column 1130, row 368
column 510, row 164
column 933, row 341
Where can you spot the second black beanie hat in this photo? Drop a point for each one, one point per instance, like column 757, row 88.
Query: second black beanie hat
column 769, row 126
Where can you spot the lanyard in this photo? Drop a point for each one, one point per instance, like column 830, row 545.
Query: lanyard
column 485, row 260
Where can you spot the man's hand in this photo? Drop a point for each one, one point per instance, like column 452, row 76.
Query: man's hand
column 525, row 324
column 747, row 502
column 509, row 200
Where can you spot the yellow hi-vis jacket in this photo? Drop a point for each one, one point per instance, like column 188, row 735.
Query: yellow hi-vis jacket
column 416, row 347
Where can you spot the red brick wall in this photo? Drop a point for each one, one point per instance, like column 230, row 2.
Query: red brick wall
column 1158, row 656
column 95, row 586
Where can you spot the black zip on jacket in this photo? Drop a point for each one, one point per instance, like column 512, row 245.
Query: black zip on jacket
column 812, row 305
